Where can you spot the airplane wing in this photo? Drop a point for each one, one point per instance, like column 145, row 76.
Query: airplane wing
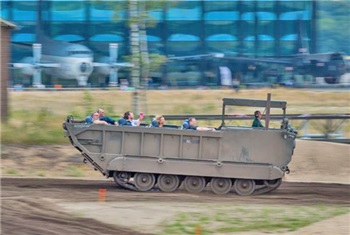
column 195, row 57
column 129, row 65
column 23, row 44
column 49, row 65
column 20, row 65
column 260, row 59
column 117, row 65
column 28, row 65
column 233, row 57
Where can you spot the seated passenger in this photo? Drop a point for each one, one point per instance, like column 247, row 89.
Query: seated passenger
column 102, row 117
column 185, row 124
column 121, row 121
column 96, row 119
column 192, row 126
column 257, row 122
column 129, row 119
column 154, row 123
column 141, row 117
column 88, row 119
column 158, row 121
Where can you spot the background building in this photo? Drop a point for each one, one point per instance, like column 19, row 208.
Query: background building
column 6, row 28
column 187, row 28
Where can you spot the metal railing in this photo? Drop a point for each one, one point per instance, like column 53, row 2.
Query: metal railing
column 331, row 129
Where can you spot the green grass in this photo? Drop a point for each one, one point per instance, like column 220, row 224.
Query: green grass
column 234, row 218
column 74, row 171
column 33, row 128
column 11, row 171
column 41, row 174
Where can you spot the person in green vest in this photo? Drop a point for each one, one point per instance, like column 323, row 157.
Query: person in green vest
column 257, row 122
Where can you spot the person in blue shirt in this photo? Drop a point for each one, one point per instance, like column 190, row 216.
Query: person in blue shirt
column 102, row 117
column 128, row 119
column 185, row 124
column 191, row 125
column 121, row 121
column 158, row 121
column 89, row 119
column 257, row 122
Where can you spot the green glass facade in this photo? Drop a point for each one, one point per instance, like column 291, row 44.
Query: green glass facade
column 184, row 28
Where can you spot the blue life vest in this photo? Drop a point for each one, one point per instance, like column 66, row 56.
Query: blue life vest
column 154, row 123
column 121, row 121
column 89, row 119
column 186, row 124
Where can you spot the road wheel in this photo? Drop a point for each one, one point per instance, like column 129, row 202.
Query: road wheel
column 119, row 176
column 244, row 187
column 194, row 184
column 144, row 181
column 168, row 183
column 220, row 185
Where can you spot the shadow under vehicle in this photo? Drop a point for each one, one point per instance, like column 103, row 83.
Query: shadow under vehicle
column 242, row 159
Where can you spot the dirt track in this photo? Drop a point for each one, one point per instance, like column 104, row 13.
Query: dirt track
column 27, row 204
column 30, row 203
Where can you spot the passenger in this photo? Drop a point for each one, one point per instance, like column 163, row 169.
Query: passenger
column 158, row 121
column 121, row 121
column 154, row 123
column 102, row 117
column 257, row 122
column 141, row 117
column 192, row 126
column 96, row 119
column 88, row 119
column 185, row 124
column 129, row 119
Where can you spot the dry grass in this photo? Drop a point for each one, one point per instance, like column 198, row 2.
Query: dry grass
column 38, row 115
column 62, row 103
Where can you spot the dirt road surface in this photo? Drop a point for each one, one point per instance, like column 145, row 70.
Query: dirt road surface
column 32, row 204
column 36, row 206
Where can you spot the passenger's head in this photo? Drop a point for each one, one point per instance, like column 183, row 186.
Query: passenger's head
column 131, row 116
column 95, row 116
column 192, row 121
column 257, row 114
column 128, row 115
column 101, row 112
column 160, row 119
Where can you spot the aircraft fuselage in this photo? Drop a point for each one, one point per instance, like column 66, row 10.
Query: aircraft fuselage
column 76, row 61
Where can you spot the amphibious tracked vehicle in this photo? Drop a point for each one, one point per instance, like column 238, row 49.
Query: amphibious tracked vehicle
column 244, row 160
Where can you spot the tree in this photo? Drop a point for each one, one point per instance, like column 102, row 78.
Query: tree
column 138, row 22
column 333, row 26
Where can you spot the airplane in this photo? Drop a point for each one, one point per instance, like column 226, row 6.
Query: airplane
column 57, row 59
column 66, row 60
column 32, row 66
column 330, row 65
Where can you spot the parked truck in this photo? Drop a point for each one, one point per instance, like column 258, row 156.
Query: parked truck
column 244, row 160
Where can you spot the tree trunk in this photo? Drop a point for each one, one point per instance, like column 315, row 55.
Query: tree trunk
column 135, row 50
